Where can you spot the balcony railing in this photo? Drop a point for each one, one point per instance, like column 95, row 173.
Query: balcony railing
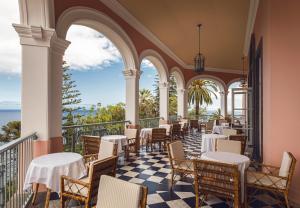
column 71, row 134
column 149, row 122
column 15, row 158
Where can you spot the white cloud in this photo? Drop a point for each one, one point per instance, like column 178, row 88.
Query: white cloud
column 147, row 64
column 10, row 49
column 89, row 48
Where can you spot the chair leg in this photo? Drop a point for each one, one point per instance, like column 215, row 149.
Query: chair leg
column 286, row 200
column 62, row 202
column 172, row 179
column 35, row 193
column 47, row 198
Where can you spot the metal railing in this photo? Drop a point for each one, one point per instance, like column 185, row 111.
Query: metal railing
column 71, row 134
column 149, row 122
column 15, row 158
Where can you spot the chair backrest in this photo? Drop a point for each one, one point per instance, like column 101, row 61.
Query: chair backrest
column 176, row 152
column 287, row 167
column 228, row 146
column 210, row 125
column 107, row 149
column 229, row 132
column 194, row 124
column 217, row 178
column 90, row 144
column 100, row 167
column 116, row 193
column 241, row 138
column 159, row 134
column 131, row 133
column 176, row 129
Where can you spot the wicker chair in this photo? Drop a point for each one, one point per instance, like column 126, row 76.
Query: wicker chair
column 158, row 136
column 90, row 144
column 229, row 132
column 106, row 149
column 116, row 193
column 85, row 190
column 194, row 124
column 223, row 145
column 242, row 139
column 179, row 163
column 132, row 140
column 276, row 179
column 176, row 132
column 209, row 126
column 218, row 179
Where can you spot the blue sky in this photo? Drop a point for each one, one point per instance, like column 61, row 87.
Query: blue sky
column 95, row 63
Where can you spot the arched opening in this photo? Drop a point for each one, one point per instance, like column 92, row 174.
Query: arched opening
column 206, row 98
column 238, row 99
column 152, row 60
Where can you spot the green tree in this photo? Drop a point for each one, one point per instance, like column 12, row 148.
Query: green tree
column 70, row 98
column 173, row 96
column 11, row 131
column 201, row 92
column 217, row 115
column 147, row 104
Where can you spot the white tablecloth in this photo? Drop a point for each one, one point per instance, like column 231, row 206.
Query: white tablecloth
column 48, row 169
column 121, row 140
column 242, row 161
column 209, row 141
column 145, row 135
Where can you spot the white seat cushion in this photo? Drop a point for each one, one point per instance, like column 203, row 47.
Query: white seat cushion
column 77, row 188
column 228, row 132
column 130, row 133
column 260, row 179
column 285, row 165
column 116, row 193
column 229, row 146
column 106, row 149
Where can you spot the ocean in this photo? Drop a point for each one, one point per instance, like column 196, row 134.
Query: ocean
column 9, row 115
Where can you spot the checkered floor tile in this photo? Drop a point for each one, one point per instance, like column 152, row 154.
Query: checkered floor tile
column 152, row 169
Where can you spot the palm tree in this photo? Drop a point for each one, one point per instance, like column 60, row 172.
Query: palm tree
column 201, row 92
column 146, row 104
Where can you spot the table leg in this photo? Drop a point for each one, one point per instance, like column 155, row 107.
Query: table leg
column 35, row 193
column 48, row 198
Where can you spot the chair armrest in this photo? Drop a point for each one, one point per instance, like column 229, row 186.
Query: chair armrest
column 266, row 174
column 90, row 158
column 66, row 179
column 266, row 169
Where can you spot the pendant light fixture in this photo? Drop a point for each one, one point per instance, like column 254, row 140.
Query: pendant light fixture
column 244, row 83
column 199, row 58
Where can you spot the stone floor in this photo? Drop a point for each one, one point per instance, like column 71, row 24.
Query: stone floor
column 152, row 169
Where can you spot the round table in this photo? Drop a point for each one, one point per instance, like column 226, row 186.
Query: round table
column 48, row 169
column 218, row 129
column 242, row 161
column 208, row 142
column 145, row 135
column 120, row 140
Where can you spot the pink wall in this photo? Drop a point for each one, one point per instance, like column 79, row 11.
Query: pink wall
column 278, row 22
column 141, row 42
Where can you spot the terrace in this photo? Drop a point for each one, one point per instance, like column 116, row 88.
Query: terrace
column 270, row 110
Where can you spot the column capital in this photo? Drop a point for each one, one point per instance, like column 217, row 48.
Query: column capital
column 41, row 37
column 132, row 73
column 163, row 85
column 182, row 90
column 223, row 92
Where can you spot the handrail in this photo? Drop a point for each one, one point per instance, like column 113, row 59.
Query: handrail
column 95, row 124
column 15, row 142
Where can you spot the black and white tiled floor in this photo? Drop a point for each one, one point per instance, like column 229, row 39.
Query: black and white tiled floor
column 152, row 169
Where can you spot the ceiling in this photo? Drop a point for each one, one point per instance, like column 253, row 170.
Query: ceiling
column 174, row 23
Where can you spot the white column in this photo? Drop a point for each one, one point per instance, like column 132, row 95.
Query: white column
column 223, row 96
column 132, row 77
column 182, row 103
column 42, row 55
column 164, row 100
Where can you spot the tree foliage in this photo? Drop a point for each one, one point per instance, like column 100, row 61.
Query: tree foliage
column 11, row 131
column 70, row 98
column 201, row 92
